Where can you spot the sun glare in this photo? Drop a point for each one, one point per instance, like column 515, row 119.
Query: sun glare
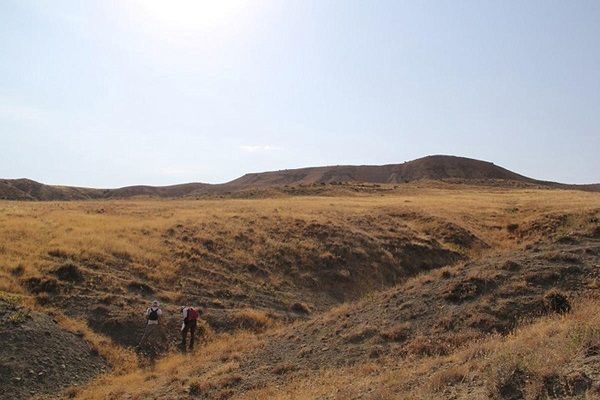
column 201, row 15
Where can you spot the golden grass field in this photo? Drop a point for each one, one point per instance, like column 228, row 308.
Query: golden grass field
column 28, row 230
column 201, row 251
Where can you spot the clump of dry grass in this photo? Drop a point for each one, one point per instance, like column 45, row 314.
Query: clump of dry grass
column 450, row 376
column 253, row 320
column 300, row 308
column 10, row 298
column 397, row 333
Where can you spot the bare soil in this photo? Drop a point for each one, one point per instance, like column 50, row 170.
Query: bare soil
column 37, row 356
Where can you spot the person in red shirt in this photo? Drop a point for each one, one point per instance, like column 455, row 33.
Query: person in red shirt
column 190, row 321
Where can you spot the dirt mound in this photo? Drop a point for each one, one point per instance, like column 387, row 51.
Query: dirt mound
column 431, row 167
column 37, row 356
column 438, row 167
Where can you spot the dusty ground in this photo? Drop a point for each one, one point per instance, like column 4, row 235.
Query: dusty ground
column 38, row 356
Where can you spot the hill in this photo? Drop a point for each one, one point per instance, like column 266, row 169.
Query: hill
column 516, row 319
column 426, row 168
column 348, row 286
column 27, row 189
column 431, row 168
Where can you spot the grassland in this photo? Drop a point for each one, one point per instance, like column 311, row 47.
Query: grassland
column 29, row 231
column 275, row 276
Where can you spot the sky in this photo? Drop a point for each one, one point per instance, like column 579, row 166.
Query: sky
column 114, row 93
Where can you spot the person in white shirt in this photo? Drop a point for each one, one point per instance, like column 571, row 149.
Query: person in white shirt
column 153, row 314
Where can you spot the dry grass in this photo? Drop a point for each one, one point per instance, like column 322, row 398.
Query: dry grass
column 145, row 241
column 120, row 359
column 32, row 233
column 253, row 320
column 184, row 373
column 551, row 346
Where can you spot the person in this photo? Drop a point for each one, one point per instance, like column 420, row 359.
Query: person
column 190, row 320
column 153, row 314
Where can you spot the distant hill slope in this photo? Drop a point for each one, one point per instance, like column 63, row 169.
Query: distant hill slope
column 438, row 167
column 26, row 189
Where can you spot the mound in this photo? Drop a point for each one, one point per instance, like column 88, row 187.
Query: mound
column 37, row 356
column 431, row 167
column 436, row 168
column 156, row 191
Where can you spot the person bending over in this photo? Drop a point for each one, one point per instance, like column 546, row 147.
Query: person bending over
column 190, row 321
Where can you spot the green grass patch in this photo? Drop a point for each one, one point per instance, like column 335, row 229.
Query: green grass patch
column 10, row 298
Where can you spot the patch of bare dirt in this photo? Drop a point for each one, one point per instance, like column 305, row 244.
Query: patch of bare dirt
column 38, row 357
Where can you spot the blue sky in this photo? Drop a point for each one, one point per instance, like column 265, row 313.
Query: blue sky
column 113, row 93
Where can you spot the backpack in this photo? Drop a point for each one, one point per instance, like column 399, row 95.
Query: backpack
column 153, row 316
column 192, row 314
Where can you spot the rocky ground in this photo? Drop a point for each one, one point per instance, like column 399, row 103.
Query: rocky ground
column 37, row 356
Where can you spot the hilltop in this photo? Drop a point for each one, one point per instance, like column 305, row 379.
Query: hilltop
column 426, row 168
column 431, row 168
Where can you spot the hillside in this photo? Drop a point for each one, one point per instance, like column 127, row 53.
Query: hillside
column 38, row 356
column 27, row 189
column 290, row 288
column 511, row 314
column 431, row 168
column 449, row 334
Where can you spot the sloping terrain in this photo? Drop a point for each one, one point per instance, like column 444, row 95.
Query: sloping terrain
column 290, row 287
column 234, row 268
column 26, row 189
column 38, row 356
column 421, row 329
column 435, row 314
column 303, row 181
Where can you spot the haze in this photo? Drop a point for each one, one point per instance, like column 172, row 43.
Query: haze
column 109, row 94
